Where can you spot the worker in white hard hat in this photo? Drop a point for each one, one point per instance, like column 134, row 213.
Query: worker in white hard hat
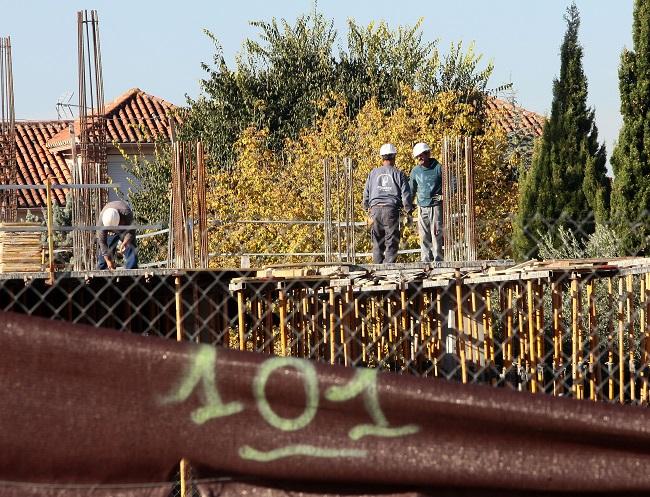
column 426, row 186
column 386, row 192
column 111, row 239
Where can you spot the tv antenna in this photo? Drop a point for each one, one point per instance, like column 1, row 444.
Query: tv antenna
column 64, row 107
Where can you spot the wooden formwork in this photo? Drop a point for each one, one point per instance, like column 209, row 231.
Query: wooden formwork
column 560, row 328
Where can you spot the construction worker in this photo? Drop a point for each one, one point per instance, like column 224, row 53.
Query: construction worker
column 426, row 187
column 386, row 192
column 114, row 214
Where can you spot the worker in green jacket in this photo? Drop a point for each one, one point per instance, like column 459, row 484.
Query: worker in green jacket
column 426, row 188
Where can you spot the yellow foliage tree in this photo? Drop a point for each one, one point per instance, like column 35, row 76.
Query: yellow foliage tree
column 289, row 186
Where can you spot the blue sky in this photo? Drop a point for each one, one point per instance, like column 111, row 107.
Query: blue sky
column 159, row 46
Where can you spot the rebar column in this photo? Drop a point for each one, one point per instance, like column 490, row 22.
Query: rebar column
column 8, row 198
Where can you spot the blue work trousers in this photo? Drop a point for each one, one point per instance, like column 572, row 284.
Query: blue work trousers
column 130, row 254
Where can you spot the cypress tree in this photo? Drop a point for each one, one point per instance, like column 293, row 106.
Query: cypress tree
column 630, row 160
column 566, row 184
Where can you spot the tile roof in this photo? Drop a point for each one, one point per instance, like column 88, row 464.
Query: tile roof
column 133, row 117
column 512, row 118
column 35, row 162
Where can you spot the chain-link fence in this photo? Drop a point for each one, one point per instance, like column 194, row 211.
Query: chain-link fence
column 573, row 328
column 565, row 327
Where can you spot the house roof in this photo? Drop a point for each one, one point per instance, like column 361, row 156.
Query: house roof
column 35, row 162
column 133, row 117
column 512, row 118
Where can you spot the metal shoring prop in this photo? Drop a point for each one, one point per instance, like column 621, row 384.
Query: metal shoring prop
column 282, row 303
column 520, row 343
column 574, row 335
column 610, row 367
column 645, row 333
column 268, row 328
column 184, row 463
column 392, row 323
column 460, row 339
column 315, row 330
column 621, row 351
column 558, row 355
column 361, row 316
column 474, row 339
column 581, row 343
column 439, row 320
column 610, row 341
column 532, row 357
column 631, row 342
column 241, row 304
column 538, row 296
column 332, row 322
column 508, row 346
column 403, row 334
column 490, row 330
column 593, row 344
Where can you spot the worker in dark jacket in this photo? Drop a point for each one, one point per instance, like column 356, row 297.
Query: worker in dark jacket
column 426, row 187
column 386, row 192
column 115, row 214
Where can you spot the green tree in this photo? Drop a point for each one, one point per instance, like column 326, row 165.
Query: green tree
column 566, row 184
column 275, row 85
column 148, row 195
column 282, row 82
column 631, row 156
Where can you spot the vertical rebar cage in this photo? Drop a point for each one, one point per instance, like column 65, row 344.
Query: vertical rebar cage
column 8, row 198
column 188, row 248
column 458, row 199
column 338, row 195
column 89, row 167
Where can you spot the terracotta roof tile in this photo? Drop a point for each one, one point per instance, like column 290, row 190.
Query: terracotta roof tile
column 512, row 118
column 133, row 117
column 35, row 161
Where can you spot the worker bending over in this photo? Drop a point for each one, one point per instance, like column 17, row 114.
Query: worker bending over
column 386, row 192
column 115, row 214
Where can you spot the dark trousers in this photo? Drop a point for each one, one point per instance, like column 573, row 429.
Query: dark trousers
column 385, row 234
column 130, row 254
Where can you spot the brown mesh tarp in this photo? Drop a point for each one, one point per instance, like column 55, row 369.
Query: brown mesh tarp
column 96, row 412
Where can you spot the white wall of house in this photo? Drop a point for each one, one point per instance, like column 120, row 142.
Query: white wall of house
column 117, row 173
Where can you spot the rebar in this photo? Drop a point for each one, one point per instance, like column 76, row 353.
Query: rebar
column 459, row 224
column 89, row 166
column 8, row 198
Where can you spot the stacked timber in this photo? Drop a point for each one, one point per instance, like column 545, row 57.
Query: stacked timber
column 20, row 251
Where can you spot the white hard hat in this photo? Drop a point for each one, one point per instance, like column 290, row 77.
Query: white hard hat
column 110, row 217
column 420, row 148
column 387, row 149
